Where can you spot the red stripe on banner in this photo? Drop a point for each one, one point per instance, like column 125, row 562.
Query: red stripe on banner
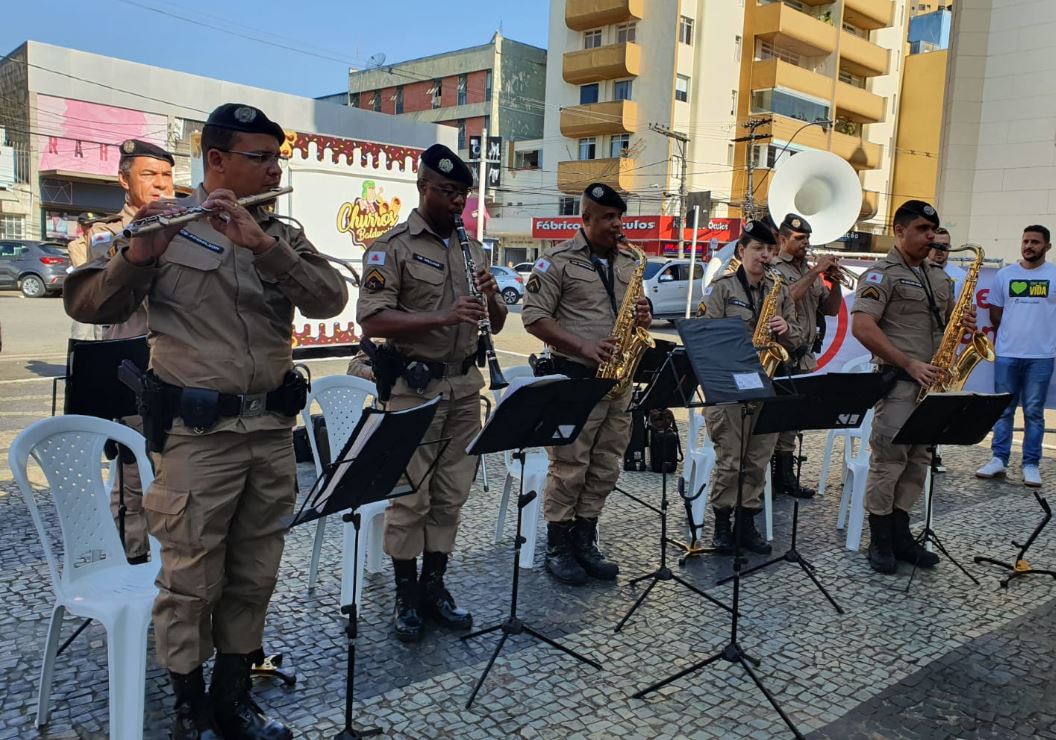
column 842, row 321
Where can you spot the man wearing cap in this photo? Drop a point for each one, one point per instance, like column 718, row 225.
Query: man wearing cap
column 220, row 293
column 900, row 312
column 810, row 295
column 939, row 256
column 741, row 294
column 416, row 295
column 571, row 302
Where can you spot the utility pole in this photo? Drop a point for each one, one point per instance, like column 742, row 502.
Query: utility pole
column 482, row 184
column 748, row 204
column 681, row 140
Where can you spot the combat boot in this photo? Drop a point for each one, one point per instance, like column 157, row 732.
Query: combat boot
column 905, row 546
column 785, row 478
column 194, row 715
column 561, row 560
column 237, row 715
column 722, row 540
column 407, row 618
column 585, row 536
column 881, row 549
column 437, row 602
column 750, row 537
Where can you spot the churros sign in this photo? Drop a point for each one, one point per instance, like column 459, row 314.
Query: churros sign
column 368, row 216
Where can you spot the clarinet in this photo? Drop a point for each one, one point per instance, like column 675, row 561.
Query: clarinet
column 484, row 341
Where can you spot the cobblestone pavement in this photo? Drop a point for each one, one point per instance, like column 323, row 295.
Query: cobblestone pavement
column 948, row 659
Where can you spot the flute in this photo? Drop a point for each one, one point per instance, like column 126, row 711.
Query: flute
column 156, row 223
column 484, row 338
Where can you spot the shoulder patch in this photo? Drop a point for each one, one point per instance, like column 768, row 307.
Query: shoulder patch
column 542, row 265
column 870, row 293
column 376, row 258
column 707, row 290
column 374, row 281
column 533, row 284
column 874, row 277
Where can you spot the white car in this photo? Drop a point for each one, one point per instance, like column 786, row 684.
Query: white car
column 665, row 283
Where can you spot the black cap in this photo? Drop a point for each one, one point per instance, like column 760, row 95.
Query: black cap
column 446, row 163
column 760, row 232
column 603, row 195
column 917, row 208
column 796, row 223
column 132, row 148
column 245, row 118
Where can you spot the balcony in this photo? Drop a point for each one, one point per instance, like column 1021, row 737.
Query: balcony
column 862, row 155
column 600, row 119
column 790, row 29
column 858, row 105
column 860, row 57
column 581, row 15
column 868, row 14
column 772, row 73
column 611, row 62
column 870, row 203
column 573, row 176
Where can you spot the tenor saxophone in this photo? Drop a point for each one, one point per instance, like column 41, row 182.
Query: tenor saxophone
column 631, row 339
column 954, row 368
column 771, row 353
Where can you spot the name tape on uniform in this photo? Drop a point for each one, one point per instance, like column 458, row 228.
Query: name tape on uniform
column 426, row 261
column 195, row 239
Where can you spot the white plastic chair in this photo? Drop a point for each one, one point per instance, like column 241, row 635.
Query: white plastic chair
column 856, row 471
column 860, row 364
column 342, row 399
column 536, row 464
column 95, row 580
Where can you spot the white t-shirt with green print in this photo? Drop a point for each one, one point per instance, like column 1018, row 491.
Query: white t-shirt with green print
column 1028, row 297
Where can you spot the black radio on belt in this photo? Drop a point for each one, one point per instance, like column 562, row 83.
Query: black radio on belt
column 417, row 375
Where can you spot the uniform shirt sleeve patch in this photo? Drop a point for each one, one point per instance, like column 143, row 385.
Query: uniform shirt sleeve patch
column 374, row 281
column 874, row 277
column 542, row 265
column 426, row 261
column 376, row 258
column 533, row 284
column 707, row 290
column 870, row 292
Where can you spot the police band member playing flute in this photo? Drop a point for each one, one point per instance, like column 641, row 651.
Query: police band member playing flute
column 416, row 295
column 220, row 294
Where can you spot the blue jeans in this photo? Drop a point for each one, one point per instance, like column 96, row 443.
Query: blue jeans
column 1028, row 382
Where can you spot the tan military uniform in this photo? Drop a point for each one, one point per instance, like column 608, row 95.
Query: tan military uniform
column 894, row 295
column 220, row 317
column 806, row 322
column 724, row 298
column 411, row 269
column 566, row 287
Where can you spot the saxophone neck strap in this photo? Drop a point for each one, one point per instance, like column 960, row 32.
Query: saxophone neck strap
column 605, row 272
column 922, row 275
column 743, row 278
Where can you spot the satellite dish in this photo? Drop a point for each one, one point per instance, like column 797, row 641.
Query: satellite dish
column 376, row 60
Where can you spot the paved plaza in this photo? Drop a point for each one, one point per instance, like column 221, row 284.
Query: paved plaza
column 948, row 659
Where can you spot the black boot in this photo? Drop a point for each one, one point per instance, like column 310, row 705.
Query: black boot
column 237, row 715
column 194, row 715
column 561, row 560
column 881, row 552
column 585, row 536
column 437, row 603
column 407, row 617
column 905, row 545
column 750, row 537
column 722, row 540
column 785, row 479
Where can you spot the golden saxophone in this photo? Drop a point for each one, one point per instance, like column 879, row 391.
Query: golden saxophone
column 771, row 354
column 631, row 339
column 156, row 223
column 955, row 368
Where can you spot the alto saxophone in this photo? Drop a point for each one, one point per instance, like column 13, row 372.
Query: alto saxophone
column 631, row 339
column 771, row 354
column 955, row 368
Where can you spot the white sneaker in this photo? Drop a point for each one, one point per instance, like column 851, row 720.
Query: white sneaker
column 993, row 469
column 1031, row 476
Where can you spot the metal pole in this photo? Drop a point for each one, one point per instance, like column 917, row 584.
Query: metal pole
column 692, row 259
column 482, row 183
column 682, row 202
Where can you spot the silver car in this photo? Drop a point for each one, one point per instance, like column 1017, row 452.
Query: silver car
column 666, row 283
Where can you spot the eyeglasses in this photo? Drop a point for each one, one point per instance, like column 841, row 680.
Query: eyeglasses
column 264, row 159
column 451, row 193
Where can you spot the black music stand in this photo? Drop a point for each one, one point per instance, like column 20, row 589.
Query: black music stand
column 534, row 412
column 667, row 388
column 1021, row 567
column 370, row 468
column 831, row 401
column 728, row 370
column 949, row 419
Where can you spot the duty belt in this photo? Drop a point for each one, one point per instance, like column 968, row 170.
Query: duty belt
column 895, row 373
column 442, row 370
column 246, row 405
column 574, row 370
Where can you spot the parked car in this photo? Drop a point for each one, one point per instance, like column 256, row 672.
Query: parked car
column 511, row 285
column 524, row 269
column 36, row 268
column 665, row 284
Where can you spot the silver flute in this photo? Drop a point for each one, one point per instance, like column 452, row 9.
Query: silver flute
column 156, row 223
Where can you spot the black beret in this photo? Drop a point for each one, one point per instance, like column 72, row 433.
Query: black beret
column 245, row 118
column 796, row 223
column 760, row 232
column 603, row 195
column 446, row 163
column 132, row 148
column 918, row 208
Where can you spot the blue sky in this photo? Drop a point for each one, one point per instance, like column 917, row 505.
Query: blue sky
column 298, row 46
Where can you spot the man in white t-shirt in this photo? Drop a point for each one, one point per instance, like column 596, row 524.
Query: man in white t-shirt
column 1023, row 312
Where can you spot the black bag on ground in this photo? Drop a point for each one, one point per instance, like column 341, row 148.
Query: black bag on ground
column 303, row 451
column 665, row 447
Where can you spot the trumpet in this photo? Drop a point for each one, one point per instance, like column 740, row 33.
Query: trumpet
column 840, row 274
column 156, row 223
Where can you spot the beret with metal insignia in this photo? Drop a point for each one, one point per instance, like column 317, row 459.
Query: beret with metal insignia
column 759, row 231
column 132, row 148
column 796, row 223
column 245, row 118
column 603, row 195
column 446, row 163
column 919, row 209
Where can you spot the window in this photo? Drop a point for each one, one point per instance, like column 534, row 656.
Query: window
column 487, row 85
column 769, row 156
column 698, row 271
column 850, row 79
column 592, row 39
column 353, row 100
column 397, row 99
column 588, row 148
column 786, row 104
column 733, row 102
column 621, row 90
column 685, row 30
column 588, row 94
column 682, row 89
column 626, row 33
column 736, row 48
column 729, row 155
column 437, row 93
column 462, row 134
column 377, row 101
column 619, row 144
column 12, row 227
column 568, row 206
column 526, row 160
column 463, row 85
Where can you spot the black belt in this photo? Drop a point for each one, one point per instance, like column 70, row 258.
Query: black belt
column 894, row 373
column 574, row 370
column 232, row 404
column 441, row 370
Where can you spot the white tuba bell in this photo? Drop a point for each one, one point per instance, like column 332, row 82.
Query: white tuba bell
column 820, row 186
